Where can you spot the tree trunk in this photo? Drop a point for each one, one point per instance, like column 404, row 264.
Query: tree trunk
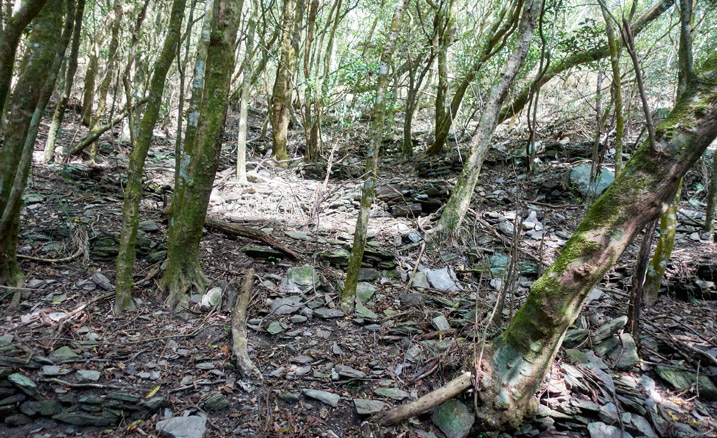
column 244, row 95
column 133, row 190
column 88, row 94
column 23, row 103
column 200, row 157
column 281, row 94
column 312, row 144
column 446, row 32
column 580, row 58
column 616, row 90
column 460, row 199
column 9, row 39
column 524, row 353
column 711, row 198
column 348, row 296
column 59, row 114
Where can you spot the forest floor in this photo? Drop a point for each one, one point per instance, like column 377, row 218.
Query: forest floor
column 70, row 368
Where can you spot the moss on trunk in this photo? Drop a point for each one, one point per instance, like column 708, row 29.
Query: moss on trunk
column 282, row 91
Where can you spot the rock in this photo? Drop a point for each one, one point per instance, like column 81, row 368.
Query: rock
column 300, row 235
column 364, row 291
column 100, row 280
column 506, row 227
column 682, row 380
column 299, row 280
column 63, row 354
column 369, row 407
column 326, row 313
column 641, row 425
column 625, row 355
column 443, row 280
column 420, row 281
column 298, row 319
column 454, row 419
column 606, row 346
column 45, row 408
column 599, row 429
column 290, row 396
column 148, row 226
column 183, row 427
column 286, row 306
column 88, row 376
column 441, row 323
column 329, row 398
column 211, row 299
column 338, row 258
column 346, row 371
column 24, row 384
column 608, row 414
column 393, row 393
column 275, row 328
column 368, row 274
column 412, row 300
column 364, row 312
column 107, row 418
column 216, row 402
column 53, row 370
column 17, row 420
column 574, row 337
column 580, row 180
column 608, row 329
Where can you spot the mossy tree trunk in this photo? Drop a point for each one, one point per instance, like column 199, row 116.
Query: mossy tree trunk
column 133, row 189
column 348, row 296
column 711, row 198
column 88, row 93
column 59, row 114
column 282, row 91
column 9, row 39
column 522, row 355
column 245, row 92
column 200, row 157
column 460, row 199
column 446, row 24
column 14, row 156
column 616, row 90
column 575, row 59
column 312, row 144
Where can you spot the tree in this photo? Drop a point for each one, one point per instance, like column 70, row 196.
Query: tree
column 348, row 296
column 283, row 87
column 200, row 152
column 133, row 189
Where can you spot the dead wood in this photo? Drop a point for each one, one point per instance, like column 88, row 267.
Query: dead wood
column 249, row 233
column 239, row 338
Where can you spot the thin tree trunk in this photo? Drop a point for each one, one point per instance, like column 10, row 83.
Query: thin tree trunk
column 244, row 95
column 460, row 199
column 200, row 157
column 23, row 103
column 281, row 94
column 348, row 296
column 616, row 91
column 312, row 146
column 711, row 198
column 59, row 114
column 133, row 189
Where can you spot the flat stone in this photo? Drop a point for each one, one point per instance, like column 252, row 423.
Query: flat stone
column 211, row 299
column 45, row 408
column 275, row 328
column 506, row 227
column 148, row 226
column 599, row 429
column 326, row 313
column 88, row 376
column 329, row 398
column 53, row 370
column 682, row 380
column 454, row 419
column 580, row 179
column 101, row 280
column 369, row 407
column 299, row 280
column 183, row 427
column 441, row 323
column 298, row 319
column 610, row 328
column 286, row 306
column 625, row 355
column 346, row 371
column 642, row 426
column 23, row 383
column 412, row 300
column 608, row 414
column 575, row 337
column 364, row 312
column 216, row 402
column 364, row 291
column 107, row 418
column 420, row 281
column 368, row 274
column 300, row 235
column 392, row 393
column 443, row 280
column 63, row 354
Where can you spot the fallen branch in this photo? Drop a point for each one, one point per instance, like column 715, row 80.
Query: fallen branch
column 244, row 363
column 97, row 133
column 425, row 403
column 250, row 233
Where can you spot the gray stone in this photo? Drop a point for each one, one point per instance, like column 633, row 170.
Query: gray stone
column 216, row 402
column 300, row 235
column 107, row 418
column 682, row 380
column 454, row 419
column 346, row 371
column 326, row 313
column 88, row 376
column 608, row 413
column 148, row 226
column 368, row 274
column 575, row 337
column 580, row 180
column 420, row 281
column 275, row 328
column 625, row 355
column 610, row 328
column 63, row 354
column 101, row 280
column 211, row 299
column 643, row 426
column 183, row 427
column 298, row 319
column 608, row 345
column 506, row 227
column 364, row 291
column 53, row 370
column 441, row 323
column 412, row 300
column 369, row 407
column 364, row 312
column 23, row 383
column 45, row 408
column 290, row 396
column 393, row 393
column 329, row 398
column 443, row 280
column 299, row 280
column 286, row 306
column 599, row 429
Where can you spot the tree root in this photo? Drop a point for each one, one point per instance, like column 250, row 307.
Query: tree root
column 239, row 335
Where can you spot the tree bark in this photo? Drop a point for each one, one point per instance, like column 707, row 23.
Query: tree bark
column 711, row 198
column 525, row 351
column 200, row 157
column 460, row 199
column 244, row 94
column 133, row 189
column 281, row 93
column 348, row 296
column 616, row 90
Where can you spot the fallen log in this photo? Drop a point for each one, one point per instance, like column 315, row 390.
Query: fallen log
column 239, row 338
column 93, row 136
column 233, row 229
